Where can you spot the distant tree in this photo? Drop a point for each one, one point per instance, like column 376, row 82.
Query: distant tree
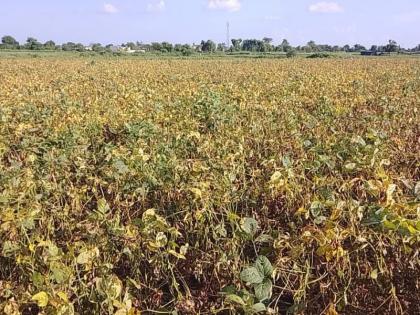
column 267, row 40
column 8, row 42
column 97, row 47
column 392, row 46
column 208, row 46
column 374, row 48
column 291, row 53
column 307, row 49
column 110, row 48
column 69, row 46
column 254, row 45
column 50, row 45
column 347, row 48
column 285, row 46
column 236, row 44
column 312, row 46
column 267, row 44
column 187, row 50
column 156, row 46
column 358, row 47
column 221, row 47
column 324, row 48
column 79, row 47
column 33, row 44
column 167, row 47
column 131, row 45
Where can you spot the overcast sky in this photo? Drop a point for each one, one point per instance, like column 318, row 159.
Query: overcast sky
column 187, row 21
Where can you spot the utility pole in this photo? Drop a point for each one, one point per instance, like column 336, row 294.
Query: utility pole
column 227, row 35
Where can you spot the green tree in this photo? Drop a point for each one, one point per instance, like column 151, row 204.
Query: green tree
column 96, row 47
column 156, row 46
column 312, row 46
column 285, row 45
column 237, row 44
column 208, row 46
column 79, row 47
column 33, row 44
column 254, row 45
column 392, row 46
column 221, row 47
column 50, row 45
column 187, row 50
column 8, row 42
column 291, row 53
column 167, row 47
column 358, row 47
column 69, row 46
column 267, row 44
column 267, row 40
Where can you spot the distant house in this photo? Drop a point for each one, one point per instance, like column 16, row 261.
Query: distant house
column 372, row 53
column 89, row 48
column 197, row 48
column 127, row 49
column 114, row 48
column 366, row 53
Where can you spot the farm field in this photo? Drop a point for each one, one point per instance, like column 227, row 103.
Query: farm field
column 231, row 186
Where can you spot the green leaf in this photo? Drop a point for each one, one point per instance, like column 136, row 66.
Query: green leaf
column 264, row 238
column 389, row 225
column 60, row 272
column 121, row 167
column 235, row 299
column 287, row 161
column 252, row 275
column 111, row 286
column 9, row 248
column 319, row 220
column 41, row 299
column 230, row 289
column 264, row 266
column 264, row 290
column 316, row 208
column 359, row 140
column 87, row 256
column 103, row 206
column 249, row 225
column 350, row 166
column 161, row 239
column 37, row 279
column 258, row 308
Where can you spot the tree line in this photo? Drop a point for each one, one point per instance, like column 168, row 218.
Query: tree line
column 236, row 45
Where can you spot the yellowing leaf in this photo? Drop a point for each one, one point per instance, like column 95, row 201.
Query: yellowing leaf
column 87, row 256
column 197, row 193
column 177, row 255
column 41, row 299
column 389, row 194
column 63, row 296
column 374, row 274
